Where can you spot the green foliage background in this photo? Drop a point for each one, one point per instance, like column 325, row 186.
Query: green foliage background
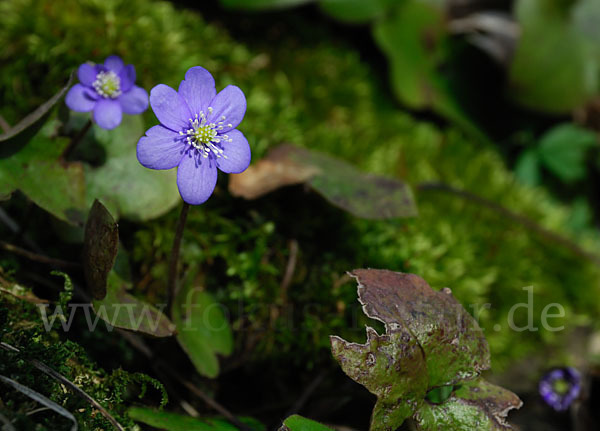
column 311, row 89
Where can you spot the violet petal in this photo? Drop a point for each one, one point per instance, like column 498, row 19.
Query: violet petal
column 127, row 78
column 230, row 103
column 114, row 63
column 78, row 99
column 108, row 113
column 87, row 74
column 135, row 101
column 198, row 89
column 161, row 148
column 236, row 153
column 170, row 108
column 196, row 178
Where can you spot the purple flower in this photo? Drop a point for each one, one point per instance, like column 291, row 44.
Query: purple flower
column 108, row 89
column 197, row 133
column 560, row 387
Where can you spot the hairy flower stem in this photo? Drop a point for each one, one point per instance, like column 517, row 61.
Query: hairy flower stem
column 75, row 141
column 172, row 282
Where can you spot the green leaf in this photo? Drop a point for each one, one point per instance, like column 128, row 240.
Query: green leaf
column 127, row 188
column 100, row 247
column 430, row 343
column 364, row 195
column 175, row 422
column 476, row 405
column 354, row 10
column 562, row 73
column 527, row 169
column 203, row 329
column 28, row 127
column 563, row 149
column 416, row 42
column 57, row 187
column 263, row 4
column 298, row 423
column 435, row 318
column 122, row 310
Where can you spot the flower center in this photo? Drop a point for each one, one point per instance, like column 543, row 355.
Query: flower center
column 561, row 387
column 204, row 136
column 107, row 84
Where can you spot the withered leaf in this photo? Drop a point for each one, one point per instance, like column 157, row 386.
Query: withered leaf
column 454, row 346
column 364, row 195
column 430, row 341
column 123, row 310
column 476, row 405
column 100, row 246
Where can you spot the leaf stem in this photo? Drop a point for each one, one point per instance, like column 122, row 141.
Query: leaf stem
column 172, row 281
column 75, row 141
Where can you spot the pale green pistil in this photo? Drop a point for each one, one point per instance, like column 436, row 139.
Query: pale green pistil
column 561, row 387
column 204, row 136
column 108, row 84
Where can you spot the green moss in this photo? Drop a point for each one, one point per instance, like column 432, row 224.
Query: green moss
column 315, row 92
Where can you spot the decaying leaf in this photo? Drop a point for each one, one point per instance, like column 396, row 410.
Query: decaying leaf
column 476, row 405
column 364, row 195
column 122, row 310
column 454, row 346
column 100, row 247
column 430, row 341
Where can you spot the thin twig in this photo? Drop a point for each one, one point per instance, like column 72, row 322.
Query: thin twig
column 75, row 141
column 36, row 257
column 15, row 228
column 76, row 389
column 210, row 401
column 7, row 424
column 4, row 124
column 505, row 212
column 172, row 281
column 307, row 393
column 289, row 269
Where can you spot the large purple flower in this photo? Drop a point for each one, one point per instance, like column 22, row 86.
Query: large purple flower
column 560, row 387
column 197, row 133
column 108, row 89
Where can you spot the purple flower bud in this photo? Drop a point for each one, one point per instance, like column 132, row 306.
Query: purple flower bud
column 560, row 387
column 108, row 90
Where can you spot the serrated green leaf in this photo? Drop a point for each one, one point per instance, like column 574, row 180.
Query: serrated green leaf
column 127, row 188
column 563, row 148
column 57, row 187
column 100, row 247
column 176, row 422
column 364, row 195
column 476, row 405
column 122, row 310
column 298, row 423
column 563, row 72
column 203, row 329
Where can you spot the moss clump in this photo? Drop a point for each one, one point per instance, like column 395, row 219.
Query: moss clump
column 239, row 250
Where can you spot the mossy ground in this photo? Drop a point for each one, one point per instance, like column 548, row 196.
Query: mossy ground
column 306, row 85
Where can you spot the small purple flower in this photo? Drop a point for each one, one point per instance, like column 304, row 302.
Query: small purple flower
column 197, row 134
column 560, row 387
column 108, row 89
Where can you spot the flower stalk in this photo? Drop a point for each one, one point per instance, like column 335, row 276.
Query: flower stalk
column 172, row 280
column 75, row 141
